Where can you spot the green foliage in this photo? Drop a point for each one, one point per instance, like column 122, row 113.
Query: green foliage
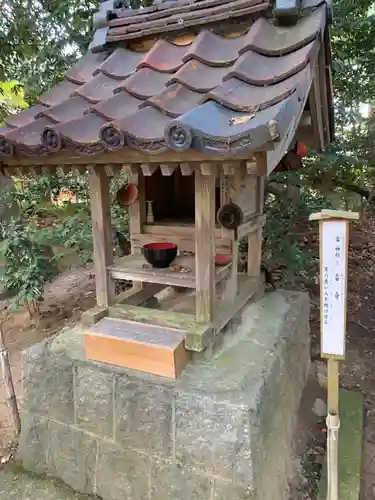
column 29, row 261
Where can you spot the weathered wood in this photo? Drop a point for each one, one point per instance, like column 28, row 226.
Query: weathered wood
column 252, row 225
column 254, row 240
column 232, row 288
column 178, row 321
column 136, row 296
column 137, row 211
column 137, row 346
column 10, row 398
column 184, row 243
column 227, row 309
column 175, row 228
column 316, row 110
column 135, row 268
column 126, row 155
column 208, row 168
column 186, row 169
column 334, row 214
column 322, row 68
column 229, row 168
column 204, row 245
column 148, row 168
column 261, row 163
column 93, row 315
column 167, row 169
column 280, row 147
column 102, row 236
column 111, row 169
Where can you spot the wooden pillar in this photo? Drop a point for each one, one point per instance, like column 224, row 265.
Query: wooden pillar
column 137, row 211
column 204, row 245
column 102, row 235
column 254, row 240
column 137, row 214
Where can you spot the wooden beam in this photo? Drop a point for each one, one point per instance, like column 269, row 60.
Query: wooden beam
column 111, row 169
column 148, row 168
column 137, row 213
column 208, row 168
column 254, row 239
column 274, row 157
column 197, row 340
column 229, row 168
column 315, row 100
column 204, row 245
column 126, row 155
column 322, row 67
column 135, row 296
column 167, row 169
column 186, row 169
column 102, row 236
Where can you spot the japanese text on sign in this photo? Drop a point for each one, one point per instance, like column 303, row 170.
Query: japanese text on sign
column 333, row 287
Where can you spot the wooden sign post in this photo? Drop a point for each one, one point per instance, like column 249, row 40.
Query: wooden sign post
column 334, row 236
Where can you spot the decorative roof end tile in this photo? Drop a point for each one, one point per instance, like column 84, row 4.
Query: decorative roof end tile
column 98, row 40
column 178, row 136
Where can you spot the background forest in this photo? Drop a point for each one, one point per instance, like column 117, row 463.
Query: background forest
column 40, row 40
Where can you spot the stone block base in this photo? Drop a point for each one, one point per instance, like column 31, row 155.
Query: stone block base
column 223, row 430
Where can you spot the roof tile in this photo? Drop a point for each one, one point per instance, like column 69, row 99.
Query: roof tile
column 198, row 76
column 82, row 131
column 84, row 68
column 118, row 106
column 58, row 93
column 255, row 68
column 145, row 83
column 273, row 40
column 164, row 57
column 98, row 89
column 212, row 92
column 174, row 100
column 214, row 50
column 120, row 64
column 240, row 96
column 24, row 117
column 67, row 110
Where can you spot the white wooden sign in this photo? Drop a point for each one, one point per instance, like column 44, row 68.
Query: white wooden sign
column 333, row 287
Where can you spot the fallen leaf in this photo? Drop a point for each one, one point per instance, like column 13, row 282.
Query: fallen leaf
column 240, row 120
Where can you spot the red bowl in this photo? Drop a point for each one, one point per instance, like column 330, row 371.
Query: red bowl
column 222, row 260
column 160, row 255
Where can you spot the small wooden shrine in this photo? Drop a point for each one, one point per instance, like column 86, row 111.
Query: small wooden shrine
column 199, row 101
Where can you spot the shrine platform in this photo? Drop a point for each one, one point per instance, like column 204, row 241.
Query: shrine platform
column 220, row 431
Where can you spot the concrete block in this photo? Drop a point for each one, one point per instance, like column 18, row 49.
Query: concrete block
column 213, row 437
column 143, row 417
column 33, row 443
column 227, row 491
column 47, row 383
column 94, row 400
column 122, row 473
column 169, row 482
column 218, row 432
column 71, row 456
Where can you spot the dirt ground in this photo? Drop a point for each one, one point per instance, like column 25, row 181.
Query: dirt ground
column 65, row 298
column 73, row 291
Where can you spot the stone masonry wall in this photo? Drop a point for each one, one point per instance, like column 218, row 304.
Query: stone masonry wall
column 222, row 431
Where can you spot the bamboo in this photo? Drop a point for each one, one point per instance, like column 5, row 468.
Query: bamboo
column 333, row 426
column 10, row 399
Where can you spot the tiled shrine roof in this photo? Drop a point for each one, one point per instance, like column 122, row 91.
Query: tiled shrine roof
column 145, row 84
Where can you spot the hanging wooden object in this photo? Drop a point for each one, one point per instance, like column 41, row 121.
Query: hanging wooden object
column 127, row 195
column 230, row 216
